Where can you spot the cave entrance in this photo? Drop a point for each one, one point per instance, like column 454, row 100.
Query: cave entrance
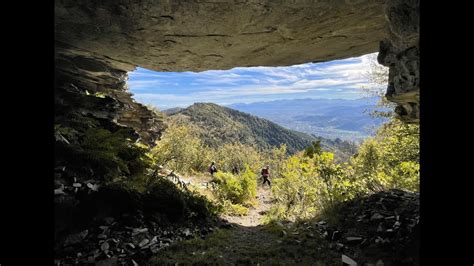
column 100, row 130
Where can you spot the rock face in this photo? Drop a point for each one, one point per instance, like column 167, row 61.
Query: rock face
column 384, row 226
column 203, row 35
column 401, row 53
column 99, row 75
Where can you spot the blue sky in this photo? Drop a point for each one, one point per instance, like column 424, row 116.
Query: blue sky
column 339, row 79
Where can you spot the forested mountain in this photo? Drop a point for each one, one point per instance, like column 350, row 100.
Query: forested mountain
column 219, row 125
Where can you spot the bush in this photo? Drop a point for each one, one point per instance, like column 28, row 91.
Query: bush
column 237, row 155
column 238, row 189
column 308, row 185
column 228, row 187
column 233, row 209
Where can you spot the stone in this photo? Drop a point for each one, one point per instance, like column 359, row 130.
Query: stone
column 321, row 223
column 354, row 239
column 105, row 246
column 137, row 231
column 348, row 261
column 143, row 242
column 93, row 187
column 187, row 232
column 376, row 216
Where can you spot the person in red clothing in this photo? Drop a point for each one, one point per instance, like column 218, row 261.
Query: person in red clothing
column 265, row 175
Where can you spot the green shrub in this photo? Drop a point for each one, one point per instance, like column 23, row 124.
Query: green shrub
column 238, row 189
column 233, row 209
column 248, row 182
column 228, row 187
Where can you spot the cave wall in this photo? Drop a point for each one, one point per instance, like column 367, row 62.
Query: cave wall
column 401, row 53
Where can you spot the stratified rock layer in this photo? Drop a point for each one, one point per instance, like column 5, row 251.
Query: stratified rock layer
column 203, row 35
column 401, row 53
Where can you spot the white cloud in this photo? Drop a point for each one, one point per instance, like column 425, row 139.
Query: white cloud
column 342, row 76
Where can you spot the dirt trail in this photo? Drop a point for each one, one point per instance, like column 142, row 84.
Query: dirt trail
column 250, row 242
column 255, row 215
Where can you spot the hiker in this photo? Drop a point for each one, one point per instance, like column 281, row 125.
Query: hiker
column 235, row 170
column 212, row 168
column 265, row 175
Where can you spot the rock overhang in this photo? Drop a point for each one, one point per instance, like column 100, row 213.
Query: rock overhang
column 98, row 42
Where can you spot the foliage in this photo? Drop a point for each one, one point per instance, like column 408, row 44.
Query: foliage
column 234, row 192
column 248, row 182
column 98, row 152
column 311, row 185
column 238, row 189
column 233, row 209
column 218, row 125
column 180, row 150
column 315, row 148
column 110, row 155
column 391, row 159
column 378, row 76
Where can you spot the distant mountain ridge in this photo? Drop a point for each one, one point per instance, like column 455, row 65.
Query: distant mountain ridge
column 329, row 118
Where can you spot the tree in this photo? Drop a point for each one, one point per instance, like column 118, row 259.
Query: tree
column 377, row 75
column 390, row 159
column 179, row 149
column 315, row 148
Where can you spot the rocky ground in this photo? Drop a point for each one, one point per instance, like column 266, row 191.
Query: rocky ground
column 381, row 229
column 113, row 225
column 378, row 230
column 111, row 242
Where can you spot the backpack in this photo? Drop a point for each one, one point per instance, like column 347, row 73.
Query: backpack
column 212, row 169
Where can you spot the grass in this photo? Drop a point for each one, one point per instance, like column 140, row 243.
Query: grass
column 261, row 245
